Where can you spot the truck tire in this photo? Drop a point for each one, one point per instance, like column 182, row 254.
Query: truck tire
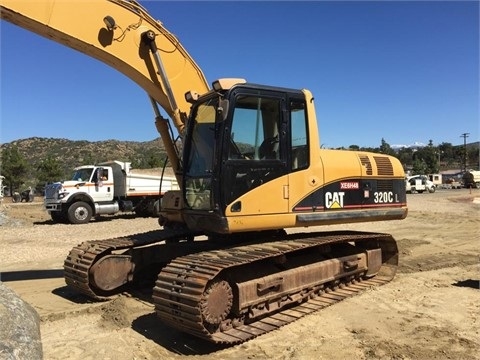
column 58, row 217
column 79, row 213
column 142, row 213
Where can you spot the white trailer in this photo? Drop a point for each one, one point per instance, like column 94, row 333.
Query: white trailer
column 436, row 179
column 107, row 188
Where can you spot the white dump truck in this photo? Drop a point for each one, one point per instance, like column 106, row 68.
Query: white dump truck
column 107, row 188
column 419, row 184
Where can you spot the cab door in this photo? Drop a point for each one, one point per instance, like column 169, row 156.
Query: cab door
column 102, row 185
column 254, row 173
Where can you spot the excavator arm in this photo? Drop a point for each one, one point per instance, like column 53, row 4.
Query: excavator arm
column 123, row 35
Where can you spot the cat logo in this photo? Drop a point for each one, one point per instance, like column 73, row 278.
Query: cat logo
column 334, row 200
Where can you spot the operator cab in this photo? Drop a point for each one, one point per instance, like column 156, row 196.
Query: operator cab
column 239, row 137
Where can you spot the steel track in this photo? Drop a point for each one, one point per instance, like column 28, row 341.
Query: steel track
column 79, row 261
column 181, row 285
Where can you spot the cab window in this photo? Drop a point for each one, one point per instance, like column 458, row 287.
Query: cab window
column 255, row 134
column 299, row 135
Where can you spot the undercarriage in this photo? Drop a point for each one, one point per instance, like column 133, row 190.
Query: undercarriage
column 226, row 292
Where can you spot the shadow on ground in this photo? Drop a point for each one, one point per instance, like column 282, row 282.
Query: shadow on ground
column 474, row 284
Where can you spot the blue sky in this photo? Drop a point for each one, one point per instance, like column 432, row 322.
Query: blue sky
column 405, row 71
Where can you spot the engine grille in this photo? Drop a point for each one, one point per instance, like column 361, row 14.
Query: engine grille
column 365, row 160
column 384, row 185
column 384, row 165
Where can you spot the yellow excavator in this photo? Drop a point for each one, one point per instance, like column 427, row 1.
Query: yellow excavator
column 222, row 265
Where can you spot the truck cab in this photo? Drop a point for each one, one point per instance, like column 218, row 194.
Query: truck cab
column 94, row 181
column 75, row 200
column 419, row 184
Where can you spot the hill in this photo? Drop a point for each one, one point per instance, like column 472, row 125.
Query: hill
column 70, row 153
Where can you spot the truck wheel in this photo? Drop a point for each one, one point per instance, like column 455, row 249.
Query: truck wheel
column 58, row 217
column 79, row 213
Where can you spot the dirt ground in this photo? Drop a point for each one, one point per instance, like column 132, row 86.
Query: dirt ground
column 431, row 309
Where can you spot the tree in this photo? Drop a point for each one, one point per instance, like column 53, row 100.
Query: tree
column 49, row 170
column 446, row 154
column 419, row 167
column 429, row 155
column 386, row 149
column 461, row 156
column 151, row 158
column 86, row 158
column 14, row 168
column 473, row 153
column 405, row 155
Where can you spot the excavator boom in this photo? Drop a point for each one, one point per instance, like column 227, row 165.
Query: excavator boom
column 117, row 32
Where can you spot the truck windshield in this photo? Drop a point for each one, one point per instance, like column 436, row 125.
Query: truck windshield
column 199, row 160
column 82, row 174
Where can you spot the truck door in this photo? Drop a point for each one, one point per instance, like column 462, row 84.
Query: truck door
column 102, row 185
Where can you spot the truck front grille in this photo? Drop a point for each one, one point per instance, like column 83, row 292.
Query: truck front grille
column 51, row 191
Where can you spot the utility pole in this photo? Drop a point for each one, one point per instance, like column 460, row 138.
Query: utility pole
column 465, row 135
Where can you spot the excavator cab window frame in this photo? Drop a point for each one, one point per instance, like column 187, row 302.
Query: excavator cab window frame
column 199, row 154
column 299, row 154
